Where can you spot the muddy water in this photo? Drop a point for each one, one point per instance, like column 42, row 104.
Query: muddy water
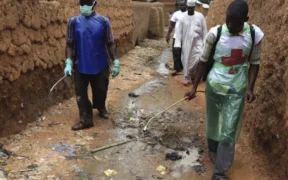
column 176, row 128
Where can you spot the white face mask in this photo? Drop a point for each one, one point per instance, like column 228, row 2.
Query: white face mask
column 86, row 10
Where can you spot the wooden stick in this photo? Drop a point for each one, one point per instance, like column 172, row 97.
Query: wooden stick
column 24, row 170
column 112, row 145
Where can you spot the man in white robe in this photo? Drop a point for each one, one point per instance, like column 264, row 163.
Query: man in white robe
column 190, row 36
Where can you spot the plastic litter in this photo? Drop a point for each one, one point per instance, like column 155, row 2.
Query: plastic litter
column 133, row 95
column 110, row 172
column 173, row 156
column 160, row 168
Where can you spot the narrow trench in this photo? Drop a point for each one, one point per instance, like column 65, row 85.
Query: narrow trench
column 165, row 133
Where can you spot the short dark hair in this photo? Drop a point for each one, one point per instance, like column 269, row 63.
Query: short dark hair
column 86, row 2
column 238, row 8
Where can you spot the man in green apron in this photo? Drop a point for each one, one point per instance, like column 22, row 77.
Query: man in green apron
column 230, row 82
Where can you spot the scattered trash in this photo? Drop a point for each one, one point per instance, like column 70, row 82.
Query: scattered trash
column 200, row 160
column 140, row 178
column 142, row 111
column 94, row 135
column 3, row 174
column 98, row 159
column 42, row 160
column 200, row 151
column 3, row 164
column 157, row 177
column 117, row 89
column 5, row 153
column 11, row 176
column 160, row 168
column 20, row 122
column 200, row 169
column 110, row 172
column 53, row 124
column 133, row 95
column 173, row 156
column 2, row 154
column 32, row 166
column 129, row 136
column 179, row 109
column 21, row 158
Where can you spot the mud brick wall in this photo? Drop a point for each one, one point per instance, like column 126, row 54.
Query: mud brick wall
column 32, row 42
column 267, row 118
column 148, row 19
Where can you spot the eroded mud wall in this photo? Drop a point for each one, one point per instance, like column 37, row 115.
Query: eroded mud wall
column 148, row 21
column 32, row 41
column 267, row 118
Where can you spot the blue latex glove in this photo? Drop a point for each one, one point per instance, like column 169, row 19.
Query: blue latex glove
column 68, row 67
column 116, row 68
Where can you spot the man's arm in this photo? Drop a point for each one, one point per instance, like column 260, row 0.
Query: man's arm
column 253, row 72
column 70, row 48
column 110, row 42
column 252, row 76
column 202, row 64
column 111, row 46
column 112, row 50
column 171, row 27
column 173, row 21
column 69, row 40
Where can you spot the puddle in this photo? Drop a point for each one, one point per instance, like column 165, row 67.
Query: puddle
column 64, row 149
column 163, row 59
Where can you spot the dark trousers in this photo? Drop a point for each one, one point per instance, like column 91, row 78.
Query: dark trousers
column 99, row 84
column 178, row 66
column 224, row 158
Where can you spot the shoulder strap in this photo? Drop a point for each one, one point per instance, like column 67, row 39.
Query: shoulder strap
column 252, row 31
column 219, row 31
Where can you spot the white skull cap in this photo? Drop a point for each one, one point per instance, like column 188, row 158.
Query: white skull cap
column 191, row 3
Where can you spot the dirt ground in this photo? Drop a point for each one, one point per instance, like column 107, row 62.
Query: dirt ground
column 48, row 149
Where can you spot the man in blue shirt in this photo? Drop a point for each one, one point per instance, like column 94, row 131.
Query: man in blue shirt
column 88, row 35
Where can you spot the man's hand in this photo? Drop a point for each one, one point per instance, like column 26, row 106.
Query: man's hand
column 116, row 68
column 68, row 67
column 249, row 96
column 190, row 94
column 168, row 39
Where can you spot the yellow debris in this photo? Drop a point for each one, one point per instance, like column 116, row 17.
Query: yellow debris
column 160, row 168
column 110, row 172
